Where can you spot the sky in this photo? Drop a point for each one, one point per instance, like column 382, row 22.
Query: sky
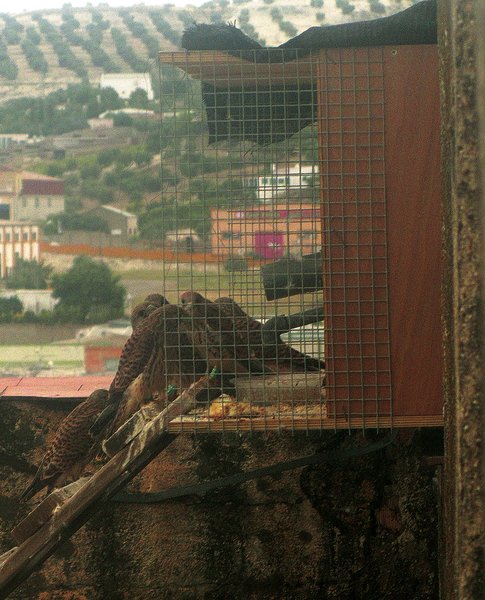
column 29, row 5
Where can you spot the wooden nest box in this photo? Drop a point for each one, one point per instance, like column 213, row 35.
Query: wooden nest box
column 377, row 114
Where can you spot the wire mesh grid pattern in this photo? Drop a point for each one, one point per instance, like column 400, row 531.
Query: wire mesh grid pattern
column 272, row 176
column 351, row 124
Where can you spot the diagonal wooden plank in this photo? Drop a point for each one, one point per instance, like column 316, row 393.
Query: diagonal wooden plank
column 71, row 515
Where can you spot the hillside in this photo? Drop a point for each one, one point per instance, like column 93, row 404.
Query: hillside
column 48, row 49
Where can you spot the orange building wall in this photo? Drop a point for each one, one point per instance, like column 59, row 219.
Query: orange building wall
column 97, row 357
column 233, row 231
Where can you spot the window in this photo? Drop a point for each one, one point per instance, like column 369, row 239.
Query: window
column 230, row 235
column 16, row 236
column 25, row 236
column 34, row 236
column 7, row 236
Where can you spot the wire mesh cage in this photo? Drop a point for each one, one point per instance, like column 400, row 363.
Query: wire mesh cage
column 275, row 194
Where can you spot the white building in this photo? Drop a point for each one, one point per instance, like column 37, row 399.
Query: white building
column 18, row 139
column 100, row 123
column 17, row 240
column 33, row 300
column 132, row 112
column 126, row 83
column 285, row 180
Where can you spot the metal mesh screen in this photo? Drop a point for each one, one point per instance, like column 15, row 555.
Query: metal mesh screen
column 273, row 195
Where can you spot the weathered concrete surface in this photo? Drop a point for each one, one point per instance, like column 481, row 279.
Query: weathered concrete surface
column 363, row 529
column 463, row 86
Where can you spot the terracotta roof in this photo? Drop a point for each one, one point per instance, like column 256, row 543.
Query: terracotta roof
column 52, row 387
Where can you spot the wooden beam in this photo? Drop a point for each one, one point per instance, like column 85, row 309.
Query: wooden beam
column 71, row 515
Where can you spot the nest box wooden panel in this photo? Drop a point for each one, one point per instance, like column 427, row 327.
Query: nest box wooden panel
column 378, row 115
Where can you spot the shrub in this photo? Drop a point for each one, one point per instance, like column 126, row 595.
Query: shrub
column 28, row 275
column 74, row 222
column 35, row 57
column 94, row 189
column 345, row 6
column 107, row 157
column 88, row 292
column 90, row 171
column 236, row 263
column 32, row 34
column 122, row 120
column 126, row 51
column 377, row 7
column 8, row 68
column 9, row 307
column 164, row 27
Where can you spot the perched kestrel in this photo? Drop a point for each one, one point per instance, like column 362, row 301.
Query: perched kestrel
column 158, row 355
column 72, row 448
column 217, row 338
column 250, row 332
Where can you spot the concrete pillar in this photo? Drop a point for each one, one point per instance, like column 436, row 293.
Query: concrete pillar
column 462, row 43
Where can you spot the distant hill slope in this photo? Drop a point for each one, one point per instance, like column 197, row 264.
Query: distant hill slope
column 49, row 49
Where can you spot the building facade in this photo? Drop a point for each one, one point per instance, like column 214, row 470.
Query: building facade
column 266, row 231
column 26, row 196
column 17, row 240
column 126, row 83
column 120, row 222
column 285, row 181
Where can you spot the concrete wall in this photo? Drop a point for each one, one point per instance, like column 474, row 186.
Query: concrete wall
column 462, row 35
column 357, row 529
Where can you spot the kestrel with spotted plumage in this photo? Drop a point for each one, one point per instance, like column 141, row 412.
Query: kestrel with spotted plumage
column 72, row 448
column 158, row 355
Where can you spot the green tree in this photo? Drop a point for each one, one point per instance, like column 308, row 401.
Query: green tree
column 9, row 307
column 29, row 275
column 74, row 222
column 122, row 120
column 89, row 292
column 139, row 99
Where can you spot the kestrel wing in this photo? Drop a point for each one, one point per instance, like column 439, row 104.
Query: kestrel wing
column 70, row 445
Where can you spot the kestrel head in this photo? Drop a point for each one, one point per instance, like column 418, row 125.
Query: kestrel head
column 100, row 396
column 192, row 298
column 156, row 299
column 141, row 312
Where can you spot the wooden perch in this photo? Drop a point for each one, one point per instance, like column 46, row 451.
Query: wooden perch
column 68, row 517
column 44, row 510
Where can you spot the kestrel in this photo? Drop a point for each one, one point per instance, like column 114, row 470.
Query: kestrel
column 250, row 333
column 217, row 338
column 158, row 355
column 72, row 448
